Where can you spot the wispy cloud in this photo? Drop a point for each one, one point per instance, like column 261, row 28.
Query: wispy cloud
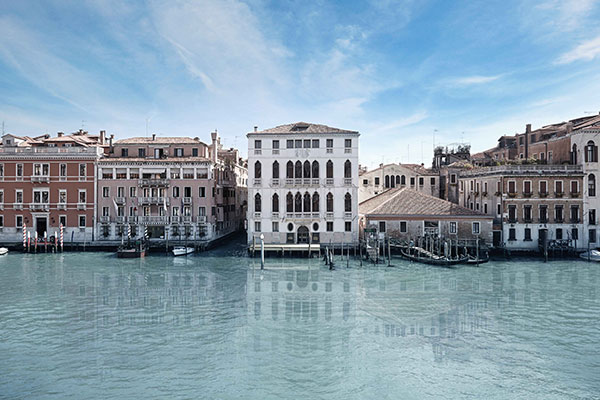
column 585, row 51
column 473, row 80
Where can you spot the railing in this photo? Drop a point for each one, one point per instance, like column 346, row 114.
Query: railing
column 186, row 219
column 154, row 182
column 257, row 215
column 543, row 220
column 575, row 194
column 315, row 181
column 104, row 219
column 275, row 182
column 559, row 194
column 306, row 181
column 153, row 200
column 575, row 220
column 275, row 151
column 315, row 215
column 328, row 215
column 329, row 181
column 121, row 219
column 347, row 181
column 187, row 200
column 54, row 150
column 257, row 181
column 201, row 218
column 61, row 206
column 258, row 151
column 175, row 219
column 347, row 151
column 289, row 181
column 275, row 215
column 329, row 151
column 517, row 169
column 153, row 219
column 298, row 181
column 347, row 215
column 38, row 178
column 81, row 206
column 18, row 206
column 120, row 200
column 1, row 206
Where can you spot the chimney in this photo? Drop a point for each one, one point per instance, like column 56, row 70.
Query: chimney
column 569, row 127
column 256, row 129
column 102, row 136
column 60, row 134
column 214, row 137
column 110, row 142
column 153, row 136
column 527, row 133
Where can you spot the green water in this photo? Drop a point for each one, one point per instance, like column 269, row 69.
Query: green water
column 88, row 325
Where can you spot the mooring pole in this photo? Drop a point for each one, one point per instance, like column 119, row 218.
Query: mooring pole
column 262, row 251
column 389, row 252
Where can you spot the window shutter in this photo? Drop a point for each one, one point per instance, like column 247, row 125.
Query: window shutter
column 595, row 154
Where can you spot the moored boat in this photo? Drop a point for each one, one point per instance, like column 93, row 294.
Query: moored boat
column 132, row 251
column 182, row 250
column 592, row 255
column 435, row 260
column 3, row 251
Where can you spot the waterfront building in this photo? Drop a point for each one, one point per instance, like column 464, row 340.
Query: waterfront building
column 389, row 176
column 303, row 184
column 530, row 203
column 179, row 188
column 48, row 181
column 404, row 213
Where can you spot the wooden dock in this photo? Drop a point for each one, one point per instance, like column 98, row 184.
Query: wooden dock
column 286, row 248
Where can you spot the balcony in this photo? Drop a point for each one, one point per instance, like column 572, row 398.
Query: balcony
column 81, row 206
column 257, row 215
column 348, row 151
column 186, row 219
column 512, row 194
column 121, row 219
column 175, row 219
column 201, row 219
column 329, row 151
column 40, row 179
column 559, row 220
column 275, row 182
column 154, row 182
column 61, row 206
column 347, row 181
column 527, row 194
column 120, row 200
column 104, row 219
column 39, row 206
column 512, row 220
column 559, row 194
column 153, row 200
column 275, row 151
column 575, row 194
column 257, row 182
column 347, row 215
column 153, row 220
column 528, row 220
column 543, row 194
column 315, row 181
column 18, row 206
column 187, row 201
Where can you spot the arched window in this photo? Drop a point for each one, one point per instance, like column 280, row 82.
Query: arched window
column 306, row 204
column 387, row 181
column 591, row 152
column 275, row 170
column 257, row 202
column 574, row 154
column 298, row 203
column 348, row 202
column 591, row 185
column 329, row 202
column 329, row 168
column 289, row 170
column 403, row 180
column 392, row 181
column 306, row 169
column 315, row 169
column 397, row 179
column 315, row 202
column 289, row 201
column 275, row 204
column 257, row 170
column 347, row 169
column 298, row 170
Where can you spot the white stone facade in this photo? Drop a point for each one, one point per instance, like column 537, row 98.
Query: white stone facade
column 303, row 184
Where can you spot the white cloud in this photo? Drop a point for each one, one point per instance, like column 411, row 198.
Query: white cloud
column 473, row 80
column 585, row 51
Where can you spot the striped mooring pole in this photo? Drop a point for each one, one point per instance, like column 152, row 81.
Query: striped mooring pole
column 61, row 237
column 24, row 237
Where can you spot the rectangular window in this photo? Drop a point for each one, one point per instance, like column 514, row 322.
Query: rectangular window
column 258, row 144
column 512, row 187
column 142, row 153
column 527, row 235
column 19, row 221
column 453, row 228
column 132, row 191
column 62, row 196
column 347, row 143
column 376, row 181
column 527, row 216
column 543, row 187
column 105, row 191
column 1, row 221
column 256, row 226
column 558, row 187
column 498, row 188
column 178, row 152
column 475, row 228
column 592, row 236
column 512, row 213
column 105, row 211
column 543, row 214
column 526, row 187
column 575, row 234
column 82, row 221
column 298, row 143
column 62, row 220
column 121, row 191
column 558, row 214
column 124, row 152
column 175, row 191
column 512, row 234
column 201, row 191
column 329, row 143
column 329, row 226
column 403, row 227
column 382, row 226
column 18, row 196
column 575, row 214
column 290, row 144
column 485, row 208
column 275, row 226
column 348, row 226
column 421, row 181
column 412, row 181
column 574, row 187
column 453, row 178
column 275, row 144
column 498, row 209
column 63, row 170
column 19, row 171
column 1, row 170
column 365, row 182
column 202, row 211
column 82, row 170
column 432, row 181
column 194, row 152
column 592, row 216
column 82, row 195
column 315, row 143
column 559, row 233
column 1, row 196
column 307, row 143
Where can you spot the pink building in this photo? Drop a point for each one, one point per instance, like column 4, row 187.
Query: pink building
column 47, row 181
column 178, row 188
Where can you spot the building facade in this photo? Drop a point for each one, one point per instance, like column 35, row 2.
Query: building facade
column 176, row 187
column 47, row 182
column 303, row 184
column 389, row 176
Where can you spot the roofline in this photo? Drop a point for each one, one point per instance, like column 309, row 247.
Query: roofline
column 480, row 216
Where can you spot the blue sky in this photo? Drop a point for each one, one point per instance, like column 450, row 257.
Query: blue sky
column 400, row 72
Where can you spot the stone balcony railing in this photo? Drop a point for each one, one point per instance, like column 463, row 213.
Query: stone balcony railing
column 40, row 178
column 39, row 206
column 154, row 182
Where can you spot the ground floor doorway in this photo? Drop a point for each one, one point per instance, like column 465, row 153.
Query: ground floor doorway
column 41, row 226
column 302, row 235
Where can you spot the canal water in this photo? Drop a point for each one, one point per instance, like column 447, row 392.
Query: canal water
column 214, row 326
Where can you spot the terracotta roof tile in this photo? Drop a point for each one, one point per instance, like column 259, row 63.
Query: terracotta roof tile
column 303, row 127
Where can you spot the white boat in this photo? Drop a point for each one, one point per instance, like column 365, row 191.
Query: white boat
column 594, row 255
column 3, row 251
column 182, row 250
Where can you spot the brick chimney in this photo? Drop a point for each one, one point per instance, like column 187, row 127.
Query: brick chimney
column 153, row 137
column 214, row 136
column 256, row 129
column 110, row 142
column 102, row 136
column 569, row 127
column 60, row 134
column 527, row 133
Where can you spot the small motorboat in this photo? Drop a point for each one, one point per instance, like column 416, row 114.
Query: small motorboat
column 132, row 250
column 182, row 251
column 3, row 251
column 592, row 255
